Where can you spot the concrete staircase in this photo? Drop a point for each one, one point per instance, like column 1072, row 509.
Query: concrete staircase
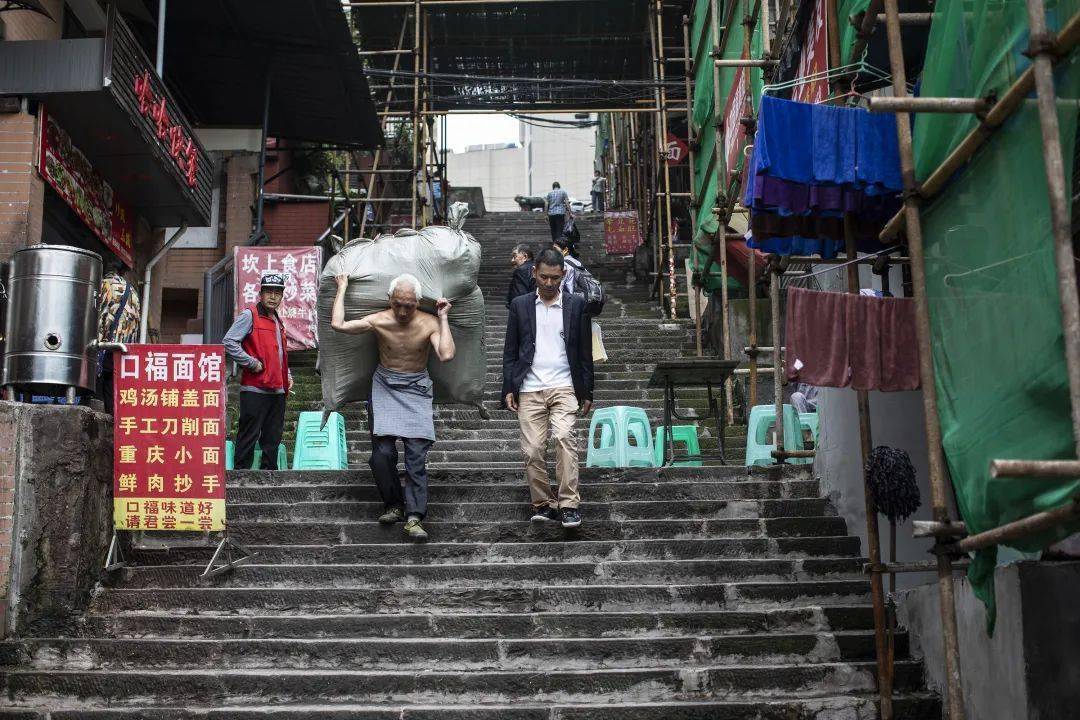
column 708, row 593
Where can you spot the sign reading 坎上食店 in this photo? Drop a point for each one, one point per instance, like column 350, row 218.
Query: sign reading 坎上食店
column 169, row 438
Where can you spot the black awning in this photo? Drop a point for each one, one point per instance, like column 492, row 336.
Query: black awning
column 218, row 51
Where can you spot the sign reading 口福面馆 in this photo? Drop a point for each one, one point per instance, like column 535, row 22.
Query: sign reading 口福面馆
column 301, row 267
column 169, row 438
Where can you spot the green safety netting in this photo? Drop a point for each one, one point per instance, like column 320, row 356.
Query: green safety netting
column 844, row 10
column 707, row 175
column 995, row 317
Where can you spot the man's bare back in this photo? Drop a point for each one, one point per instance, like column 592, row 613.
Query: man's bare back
column 405, row 335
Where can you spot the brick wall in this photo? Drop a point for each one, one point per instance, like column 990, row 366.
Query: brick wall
column 239, row 198
column 21, row 191
column 296, row 223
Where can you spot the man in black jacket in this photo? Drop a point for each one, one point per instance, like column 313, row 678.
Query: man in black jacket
column 521, row 282
column 547, row 380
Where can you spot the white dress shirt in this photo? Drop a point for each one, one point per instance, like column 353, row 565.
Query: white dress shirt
column 550, row 366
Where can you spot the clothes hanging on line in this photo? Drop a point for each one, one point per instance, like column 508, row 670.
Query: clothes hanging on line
column 813, row 162
column 845, row 340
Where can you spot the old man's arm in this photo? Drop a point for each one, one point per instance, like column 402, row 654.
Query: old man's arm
column 442, row 340
column 337, row 316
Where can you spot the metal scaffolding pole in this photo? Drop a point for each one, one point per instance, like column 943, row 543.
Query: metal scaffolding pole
column 938, row 477
column 415, row 116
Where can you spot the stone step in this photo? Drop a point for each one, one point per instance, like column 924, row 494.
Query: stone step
column 643, row 623
column 908, row 706
column 518, row 574
column 365, row 491
column 353, row 532
column 119, row 688
column 484, row 475
column 592, row 551
column 453, row 653
column 468, row 599
column 521, row 511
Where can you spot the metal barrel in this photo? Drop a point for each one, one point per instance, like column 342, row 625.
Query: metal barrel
column 52, row 317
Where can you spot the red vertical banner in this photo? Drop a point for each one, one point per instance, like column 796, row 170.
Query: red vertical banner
column 814, row 58
column 301, row 267
column 169, row 438
column 734, row 131
column 621, row 232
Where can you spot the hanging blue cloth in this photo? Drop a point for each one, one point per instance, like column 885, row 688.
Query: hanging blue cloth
column 878, row 167
column 783, row 146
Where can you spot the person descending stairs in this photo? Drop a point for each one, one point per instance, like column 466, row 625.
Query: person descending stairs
column 690, row 593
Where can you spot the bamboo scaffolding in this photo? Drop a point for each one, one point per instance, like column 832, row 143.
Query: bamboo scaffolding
column 663, row 159
column 415, row 115
column 954, row 699
column 722, row 174
column 688, row 69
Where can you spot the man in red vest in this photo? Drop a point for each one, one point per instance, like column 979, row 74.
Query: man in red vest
column 256, row 342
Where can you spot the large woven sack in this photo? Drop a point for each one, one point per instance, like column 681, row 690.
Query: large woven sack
column 446, row 260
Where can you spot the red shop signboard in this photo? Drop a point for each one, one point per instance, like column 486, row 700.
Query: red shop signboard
column 169, row 438
column 734, row 130
column 301, row 267
column 814, row 58
column 621, row 232
column 70, row 174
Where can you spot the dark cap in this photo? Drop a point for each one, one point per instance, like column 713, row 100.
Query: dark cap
column 273, row 280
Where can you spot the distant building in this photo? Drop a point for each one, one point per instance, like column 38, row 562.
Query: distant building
column 543, row 155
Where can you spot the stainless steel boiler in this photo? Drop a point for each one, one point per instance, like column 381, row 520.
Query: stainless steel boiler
column 52, row 318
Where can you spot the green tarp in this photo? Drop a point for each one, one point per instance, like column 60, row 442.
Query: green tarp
column 708, row 176
column 995, row 317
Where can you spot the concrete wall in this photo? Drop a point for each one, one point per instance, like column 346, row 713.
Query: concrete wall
column 557, row 154
column 59, row 462
column 1027, row 670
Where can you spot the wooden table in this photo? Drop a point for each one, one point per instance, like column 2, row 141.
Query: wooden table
column 692, row 372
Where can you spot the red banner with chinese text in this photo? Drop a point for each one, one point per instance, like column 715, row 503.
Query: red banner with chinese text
column 621, row 232
column 70, row 174
column 301, row 267
column 814, row 58
column 734, row 131
column 677, row 150
column 169, row 438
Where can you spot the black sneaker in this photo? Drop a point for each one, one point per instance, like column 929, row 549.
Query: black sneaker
column 571, row 518
column 546, row 514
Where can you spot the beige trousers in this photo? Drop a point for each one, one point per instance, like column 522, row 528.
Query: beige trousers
column 540, row 414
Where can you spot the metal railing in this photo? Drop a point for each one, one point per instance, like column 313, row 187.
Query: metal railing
column 218, row 300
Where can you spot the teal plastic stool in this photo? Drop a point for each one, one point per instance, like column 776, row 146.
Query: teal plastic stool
column 230, row 450
column 761, row 435
column 618, row 426
column 320, row 448
column 680, row 434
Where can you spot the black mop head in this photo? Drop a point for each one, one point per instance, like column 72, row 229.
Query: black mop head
column 890, row 480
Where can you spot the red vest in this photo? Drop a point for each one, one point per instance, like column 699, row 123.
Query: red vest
column 262, row 345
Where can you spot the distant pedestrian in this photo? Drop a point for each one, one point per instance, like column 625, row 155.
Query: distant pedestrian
column 556, row 204
column 599, row 192
column 547, row 380
column 256, row 342
column 118, row 322
column 521, row 281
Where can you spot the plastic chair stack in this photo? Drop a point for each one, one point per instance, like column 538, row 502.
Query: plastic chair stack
column 230, row 451
column 761, row 435
column 320, row 447
column 625, row 438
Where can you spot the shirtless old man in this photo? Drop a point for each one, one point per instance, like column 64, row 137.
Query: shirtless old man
column 401, row 394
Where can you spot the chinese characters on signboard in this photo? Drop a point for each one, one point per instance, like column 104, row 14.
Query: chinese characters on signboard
column 621, row 233
column 677, row 150
column 734, row 131
column 174, row 137
column 70, row 174
column 169, row 438
column 301, row 267
column 814, row 58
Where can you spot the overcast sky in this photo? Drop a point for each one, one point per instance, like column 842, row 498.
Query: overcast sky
column 462, row 130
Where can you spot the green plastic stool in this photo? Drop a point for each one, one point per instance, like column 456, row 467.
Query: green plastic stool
column 230, row 450
column 320, row 447
column 809, row 422
column 684, row 434
column 761, row 435
column 618, row 426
